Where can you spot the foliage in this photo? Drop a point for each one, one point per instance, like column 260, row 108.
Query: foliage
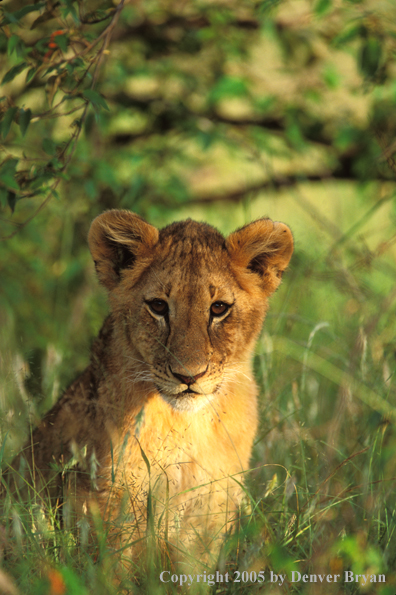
column 152, row 87
column 223, row 112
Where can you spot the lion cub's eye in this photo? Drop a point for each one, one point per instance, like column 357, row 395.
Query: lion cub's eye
column 159, row 307
column 219, row 308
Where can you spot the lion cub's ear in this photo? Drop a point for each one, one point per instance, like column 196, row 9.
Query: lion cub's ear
column 263, row 247
column 116, row 240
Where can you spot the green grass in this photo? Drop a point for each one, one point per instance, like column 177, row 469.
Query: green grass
column 320, row 495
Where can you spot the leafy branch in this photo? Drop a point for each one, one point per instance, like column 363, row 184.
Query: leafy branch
column 71, row 74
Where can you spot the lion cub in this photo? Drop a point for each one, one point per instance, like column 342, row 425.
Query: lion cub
column 167, row 405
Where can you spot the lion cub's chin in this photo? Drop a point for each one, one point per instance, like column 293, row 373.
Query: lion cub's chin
column 187, row 401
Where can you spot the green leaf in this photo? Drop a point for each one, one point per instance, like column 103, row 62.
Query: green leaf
column 370, row 56
column 331, row 76
column 7, row 121
column 265, row 104
column 12, row 44
column 31, row 74
column 293, row 131
column 62, row 41
column 8, row 18
column 24, row 120
column 89, row 123
column 70, row 9
column 40, row 181
column 55, row 164
column 322, row 6
column 346, row 137
column 96, row 99
column 14, row 17
column 13, row 72
column 347, row 35
column 11, row 200
column 77, row 62
column 205, row 139
column 49, row 146
column 3, row 196
column 228, row 86
column 206, row 34
column 9, row 181
column 98, row 15
column 7, row 174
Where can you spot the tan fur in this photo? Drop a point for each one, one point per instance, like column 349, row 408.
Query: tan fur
column 128, row 420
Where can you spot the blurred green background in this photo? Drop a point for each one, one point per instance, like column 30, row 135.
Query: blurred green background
column 222, row 112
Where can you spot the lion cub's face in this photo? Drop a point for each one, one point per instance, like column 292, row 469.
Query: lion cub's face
column 189, row 303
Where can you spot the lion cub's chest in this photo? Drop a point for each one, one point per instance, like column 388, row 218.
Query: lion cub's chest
column 181, row 458
column 177, row 443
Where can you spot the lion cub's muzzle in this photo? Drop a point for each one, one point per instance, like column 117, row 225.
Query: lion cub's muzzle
column 188, row 378
column 187, row 388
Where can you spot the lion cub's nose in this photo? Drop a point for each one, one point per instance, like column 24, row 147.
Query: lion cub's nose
column 188, row 379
